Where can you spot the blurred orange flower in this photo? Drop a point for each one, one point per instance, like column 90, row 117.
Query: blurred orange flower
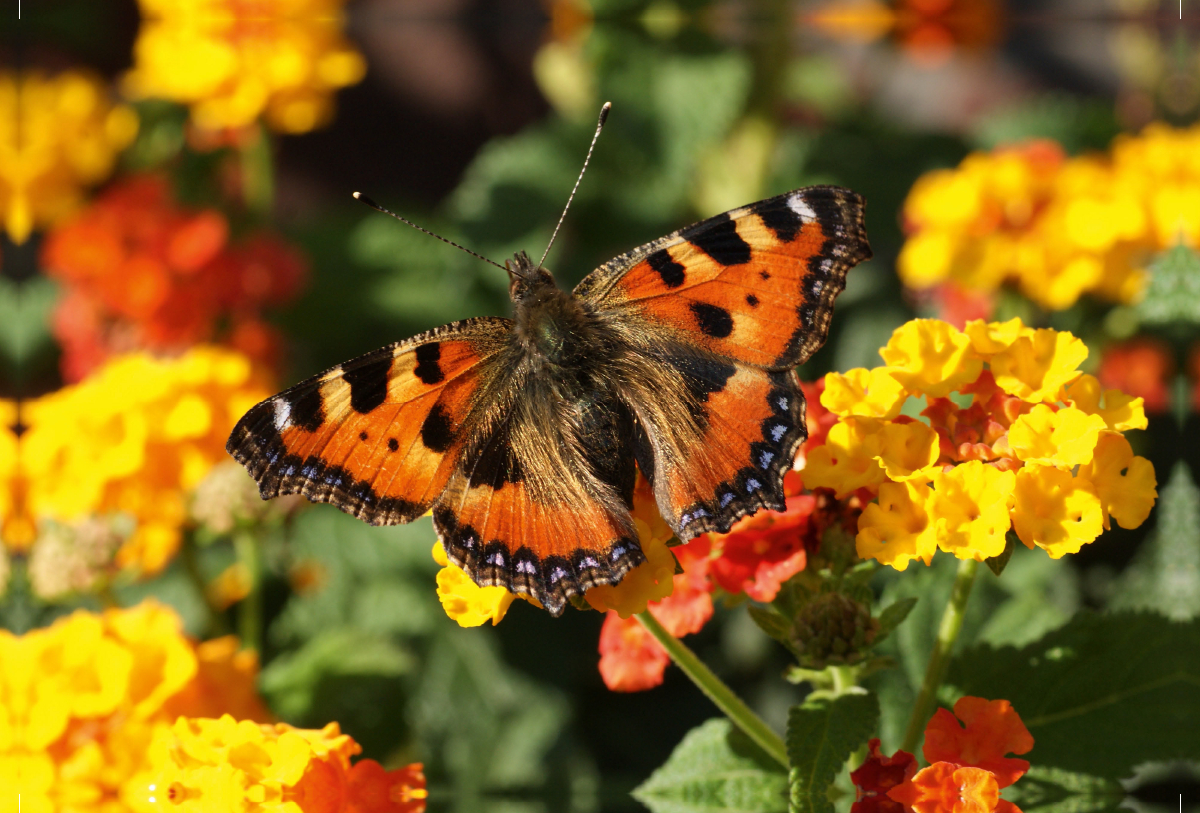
column 1142, row 367
column 141, row 272
column 58, row 134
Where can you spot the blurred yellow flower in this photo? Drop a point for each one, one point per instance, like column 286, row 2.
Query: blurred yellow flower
column 233, row 61
column 135, row 438
column 230, row 766
column 1057, row 227
column 58, row 134
column 982, row 456
column 80, row 701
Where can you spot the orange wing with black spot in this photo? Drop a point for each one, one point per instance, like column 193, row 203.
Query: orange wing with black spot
column 379, row 436
column 732, row 305
column 755, row 284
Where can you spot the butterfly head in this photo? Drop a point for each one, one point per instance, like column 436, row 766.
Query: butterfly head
column 528, row 283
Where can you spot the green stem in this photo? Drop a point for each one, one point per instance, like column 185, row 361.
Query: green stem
column 250, row 610
column 191, row 567
column 258, row 172
column 724, row 698
column 939, row 658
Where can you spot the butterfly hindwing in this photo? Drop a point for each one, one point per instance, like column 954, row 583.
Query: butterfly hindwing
column 755, row 284
column 378, row 436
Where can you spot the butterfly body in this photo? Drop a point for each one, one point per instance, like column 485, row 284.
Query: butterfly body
column 524, row 436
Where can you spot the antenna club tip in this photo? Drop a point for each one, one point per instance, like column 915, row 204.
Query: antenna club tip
column 604, row 112
column 356, row 195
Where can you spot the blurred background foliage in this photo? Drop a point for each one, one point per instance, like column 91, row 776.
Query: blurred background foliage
column 472, row 118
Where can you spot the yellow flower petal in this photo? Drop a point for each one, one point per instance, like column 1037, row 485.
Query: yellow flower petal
column 970, row 508
column 1036, row 368
column 989, row 338
column 898, row 528
column 847, row 460
column 865, row 393
column 1124, row 482
column 1055, row 511
column 1120, row 411
column 908, row 451
column 1055, row 438
column 465, row 601
column 931, row 357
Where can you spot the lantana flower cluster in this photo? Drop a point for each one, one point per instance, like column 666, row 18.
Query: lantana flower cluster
column 1012, row 436
column 231, row 766
column 1058, row 227
column 142, row 272
column 234, row 62
column 80, row 701
column 134, row 439
column 58, row 135
column 968, row 766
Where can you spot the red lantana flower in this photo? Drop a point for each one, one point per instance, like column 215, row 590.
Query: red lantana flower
column 140, row 271
column 992, row 730
column 630, row 659
column 879, row 774
column 764, row 550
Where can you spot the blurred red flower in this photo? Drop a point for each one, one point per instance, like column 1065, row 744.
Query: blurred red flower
column 1142, row 367
column 140, row 271
column 876, row 776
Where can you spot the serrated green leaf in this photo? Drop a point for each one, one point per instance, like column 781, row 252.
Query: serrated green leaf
column 821, row 736
column 893, row 615
column 1100, row 695
column 1173, row 294
column 715, row 769
column 1165, row 574
column 1049, row 790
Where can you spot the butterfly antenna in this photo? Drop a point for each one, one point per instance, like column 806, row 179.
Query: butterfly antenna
column 599, row 126
column 378, row 208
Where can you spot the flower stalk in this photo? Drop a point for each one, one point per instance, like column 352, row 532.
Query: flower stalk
column 939, row 658
column 250, row 611
column 734, row 708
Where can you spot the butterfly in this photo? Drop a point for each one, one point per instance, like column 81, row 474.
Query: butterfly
column 524, row 436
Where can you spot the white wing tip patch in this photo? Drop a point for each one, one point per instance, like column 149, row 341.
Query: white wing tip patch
column 797, row 204
column 283, row 414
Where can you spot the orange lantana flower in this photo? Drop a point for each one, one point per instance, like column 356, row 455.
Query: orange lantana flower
column 944, row 787
column 992, row 730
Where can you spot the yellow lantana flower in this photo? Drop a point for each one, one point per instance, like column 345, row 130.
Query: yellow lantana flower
column 233, row 62
column 58, row 135
column 1120, row 411
column 1036, row 368
column 971, row 505
column 465, row 601
column 848, row 459
column 898, row 528
column 866, row 393
column 1054, row 510
column 908, row 451
column 134, row 438
column 989, row 338
column 1065, row 437
column 931, row 357
column 1124, row 481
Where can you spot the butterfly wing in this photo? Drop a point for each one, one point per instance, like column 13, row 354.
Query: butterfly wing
column 719, row 314
column 379, row 436
column 755, row 284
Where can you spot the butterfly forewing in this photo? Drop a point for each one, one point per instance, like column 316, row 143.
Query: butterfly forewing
column 378, row 436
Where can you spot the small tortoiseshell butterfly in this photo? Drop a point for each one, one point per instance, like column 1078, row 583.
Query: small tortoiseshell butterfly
column 522, row 435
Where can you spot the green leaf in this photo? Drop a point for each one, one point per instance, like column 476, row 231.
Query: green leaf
column 1165, row 574
column 1100, row 695
column 772, row 622
column 893, row 615
column 1049, row 790
column 997, row 563
column 715, row 769
column 821, row 736
column 1173, row 294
